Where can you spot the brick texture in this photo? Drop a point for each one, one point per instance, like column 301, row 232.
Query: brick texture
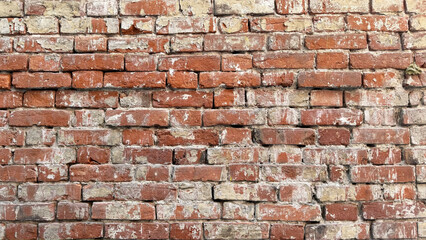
column 212, row 119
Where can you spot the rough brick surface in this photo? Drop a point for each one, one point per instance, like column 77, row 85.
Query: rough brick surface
column 212, row 119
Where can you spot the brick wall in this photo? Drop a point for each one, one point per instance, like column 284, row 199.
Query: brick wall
column 212, row 119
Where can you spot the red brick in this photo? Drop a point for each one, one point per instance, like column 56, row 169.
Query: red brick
column 385, row 155
column 86, row 99
column 21, row 231
column 288, row 212
column 103, row 173
column 295, row 136
column 18, row 173
column 80, row 230
column 5, row 81
column 381, row 135
column 139, row 137
column 190, row 63
column 287, row 231
column 90, row 44
column 234, row 117
column 10, row 99
column 11, row 137
column 277, row 78
column 186, row 231
column 187, row 137
column 38, row 99
column 284, row 60
column 199, row 173
column 338, row 117
column 336, row 41
column 93, row 155
column 135, row 80
column 73, row 211
column 147, row 155
column 49, row 63
column 152, row 173
column 377, row 23
column 230, row 43
column 13, row 62
column 382, row 174
column 189, row 156
column 5, row 156
column 291, row 7
column 126, row 230
column 341, row 212
column 87, row 79
column 332, row 60
column 27, row 211
column 185, row 117
column 283, row 116
column 237, row 62
column 41, row 80
column 44, row 156
column 49, row 118
column 381, row 79
column 141, row 63
column 326, row 98
column 380, row 60
column 395, row 230
column 303, row 173
column 229, row 97
column 329, row 79
column 77, row 62
column 166, row 99
column 236, row 136
column 334, row 136
column 393, row 210
column 137, row 117
column 182, row 80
